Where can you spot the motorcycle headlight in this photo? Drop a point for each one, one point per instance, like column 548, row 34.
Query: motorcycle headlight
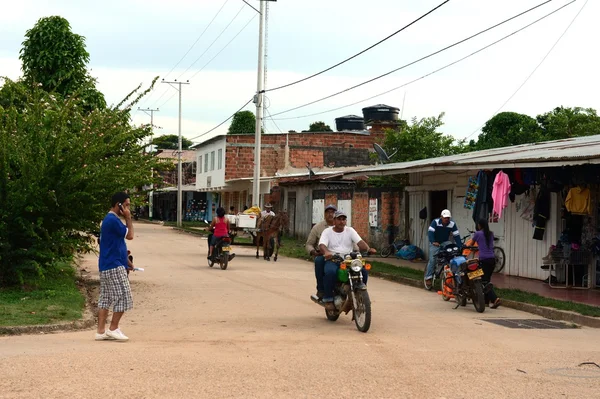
column 356, row 265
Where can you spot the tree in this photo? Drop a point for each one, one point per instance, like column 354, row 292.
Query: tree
column 59, row 166
column 171, row 142
column 55, row 57
column 507, row 129
column 244, row 122
column 420, row 140
column 319, row 127
column 563, row 123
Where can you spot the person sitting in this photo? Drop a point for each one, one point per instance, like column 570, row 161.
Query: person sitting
column 220, row 228
column 338, row 239
column 268, row 210
column 439, row 235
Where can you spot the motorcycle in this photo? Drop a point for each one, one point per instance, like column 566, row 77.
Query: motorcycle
column 461, row 278
column 221, row 253
column 350, row 293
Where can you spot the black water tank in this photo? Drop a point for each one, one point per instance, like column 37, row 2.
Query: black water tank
column 349, row 122
column 380, row 112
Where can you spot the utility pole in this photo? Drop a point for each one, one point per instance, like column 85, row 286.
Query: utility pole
column 179, row 194
column 151, row 193
column 258, row 100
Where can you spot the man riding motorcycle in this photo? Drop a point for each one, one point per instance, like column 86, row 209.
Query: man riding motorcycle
column 439, row 235
column 338, row 239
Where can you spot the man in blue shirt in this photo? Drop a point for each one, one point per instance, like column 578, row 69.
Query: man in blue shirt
column 439, row 234
column 114, row 284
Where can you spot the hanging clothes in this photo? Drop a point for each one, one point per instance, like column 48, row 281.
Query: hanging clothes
column 500, row 193
column 541, row 213
column 578, row 201
column 482, row 208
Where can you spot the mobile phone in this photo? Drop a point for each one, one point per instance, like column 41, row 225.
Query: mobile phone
column 121, row 207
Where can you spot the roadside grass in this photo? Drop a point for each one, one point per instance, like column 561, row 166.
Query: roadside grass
column 54, row 299
column 295, row 249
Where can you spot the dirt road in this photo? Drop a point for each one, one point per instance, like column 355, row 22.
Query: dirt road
column 251, row 331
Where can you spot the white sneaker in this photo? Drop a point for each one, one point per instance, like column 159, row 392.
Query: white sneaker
column 103, row 337
column 117, row 334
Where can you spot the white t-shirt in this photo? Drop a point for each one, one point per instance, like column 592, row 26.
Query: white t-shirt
column 340, row 243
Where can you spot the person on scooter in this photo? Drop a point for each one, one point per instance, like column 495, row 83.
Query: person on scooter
column 439, row 234
column 487, row 259
column 338, row 239
column 220, row 228
column 312, row 246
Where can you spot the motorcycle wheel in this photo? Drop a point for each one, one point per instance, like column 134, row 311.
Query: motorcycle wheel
column 332, row 315
column 387, row 251
column 224, row 260
column 362, row 313
column 478, row 297
column 443, row 282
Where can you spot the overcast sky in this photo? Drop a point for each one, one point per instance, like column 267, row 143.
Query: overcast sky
column 131, row 41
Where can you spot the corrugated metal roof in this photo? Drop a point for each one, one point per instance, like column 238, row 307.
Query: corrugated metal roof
column 575, row 151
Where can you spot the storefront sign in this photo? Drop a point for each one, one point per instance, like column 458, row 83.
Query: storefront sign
column 373, row 212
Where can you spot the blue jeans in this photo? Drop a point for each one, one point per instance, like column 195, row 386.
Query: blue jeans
column 320, row 272
column 330, row 279
column 433, row 251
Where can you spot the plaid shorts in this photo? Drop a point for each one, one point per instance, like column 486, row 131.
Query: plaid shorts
column 115, row 290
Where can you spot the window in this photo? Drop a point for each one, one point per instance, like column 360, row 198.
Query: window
column 194, row 165
column 200, row 164
column 212, row 160
column 206, row 162
column 220, row 156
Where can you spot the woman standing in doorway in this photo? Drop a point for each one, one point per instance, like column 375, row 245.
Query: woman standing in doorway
column 485, row 242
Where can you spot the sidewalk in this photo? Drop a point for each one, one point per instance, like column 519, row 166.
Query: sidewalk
column 588, row 297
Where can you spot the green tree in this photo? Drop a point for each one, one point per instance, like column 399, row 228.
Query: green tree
column 507, row 129
column 59, row 166
column 171, row 142
column 55, row 57
column 244, row 122
column 563, row 123
column 421, row 139
column 319, row 127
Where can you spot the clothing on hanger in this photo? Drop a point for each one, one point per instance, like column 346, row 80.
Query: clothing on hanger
column 500, row 193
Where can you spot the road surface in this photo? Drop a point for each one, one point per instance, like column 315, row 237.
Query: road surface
column 252, row 332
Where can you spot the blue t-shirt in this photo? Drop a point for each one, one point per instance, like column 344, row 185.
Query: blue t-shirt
column 113, row 250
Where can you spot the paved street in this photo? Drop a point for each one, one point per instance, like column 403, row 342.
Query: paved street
column 252, row 331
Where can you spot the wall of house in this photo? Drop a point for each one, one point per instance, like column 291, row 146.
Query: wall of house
column 208, row 174
column 335, row 149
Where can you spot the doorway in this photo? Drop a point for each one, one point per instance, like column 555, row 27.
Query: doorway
column 438, row 201
column 291, row 210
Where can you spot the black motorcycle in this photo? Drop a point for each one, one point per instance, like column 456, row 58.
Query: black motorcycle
column 221, row 253
column 461, row 278
column 350, row 293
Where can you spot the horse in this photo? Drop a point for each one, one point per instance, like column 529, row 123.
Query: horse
column 269, row 228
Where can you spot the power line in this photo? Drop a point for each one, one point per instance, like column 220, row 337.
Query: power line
column 413, row 62
column 432, row 72
column 534, row 69
column 225, row 121
column 214, row 41
column 224, row 47
column 188, row 51
column 361, row 52
column 273, row 120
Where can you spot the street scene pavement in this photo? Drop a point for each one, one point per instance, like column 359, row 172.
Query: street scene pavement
column 251, row 331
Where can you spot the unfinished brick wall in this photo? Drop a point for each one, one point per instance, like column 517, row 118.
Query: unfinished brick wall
column 360, row 214
column 320, row 149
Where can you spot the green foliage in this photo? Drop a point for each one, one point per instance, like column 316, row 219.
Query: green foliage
column 244, row 122
column 420, row 140
column 59, row 165
column 171, row 142
column 563, row 123
column 319, row 127
column 55, row 57
column 507, row 129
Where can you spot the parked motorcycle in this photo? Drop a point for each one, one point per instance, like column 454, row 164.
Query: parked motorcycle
column 221, row 253
column 461, row 278
column 350, row 293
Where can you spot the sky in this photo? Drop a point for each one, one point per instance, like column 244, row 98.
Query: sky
column 132, row 41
